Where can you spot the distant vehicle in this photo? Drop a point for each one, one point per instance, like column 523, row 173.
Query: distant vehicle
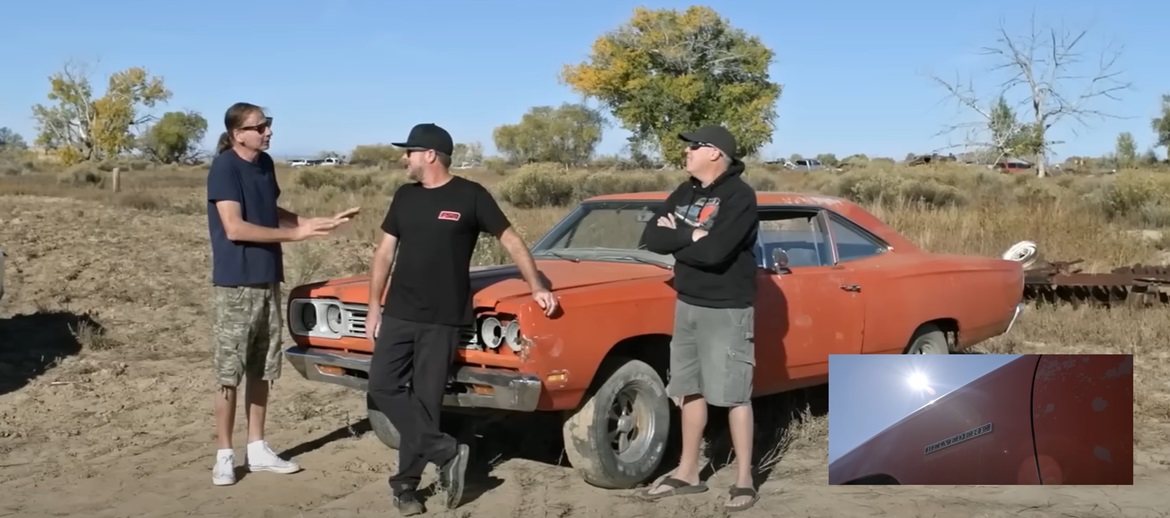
column 1040, row 419
column 306, row 162
column 1012, row 166
column 805, row 164
column 833, row 279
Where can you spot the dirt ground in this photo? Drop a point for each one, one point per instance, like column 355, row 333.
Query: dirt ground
column 105, row 407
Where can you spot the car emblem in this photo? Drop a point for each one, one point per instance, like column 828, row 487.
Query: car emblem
column 958, row 438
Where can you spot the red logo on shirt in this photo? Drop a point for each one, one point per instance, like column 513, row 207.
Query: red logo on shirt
column 449, row 215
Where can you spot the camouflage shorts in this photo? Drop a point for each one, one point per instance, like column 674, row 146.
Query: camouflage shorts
column 246, row 333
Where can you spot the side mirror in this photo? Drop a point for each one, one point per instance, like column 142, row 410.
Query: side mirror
column 779, row 260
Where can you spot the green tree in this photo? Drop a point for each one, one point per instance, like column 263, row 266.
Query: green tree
column 11, row 140
column 1126, row 150
column 568, row 134
column 467, row 153
column 175, row 138
column 666, row 71
column 375, row 155
column 828, row 159
column 1161, row 124
column 80, row 127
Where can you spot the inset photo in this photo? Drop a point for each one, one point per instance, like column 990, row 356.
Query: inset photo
column 997, row 419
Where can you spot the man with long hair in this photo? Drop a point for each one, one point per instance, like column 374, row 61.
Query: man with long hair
column 246, row 228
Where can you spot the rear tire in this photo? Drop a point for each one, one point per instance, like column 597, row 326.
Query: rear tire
column 617, row 438
column 928, row 339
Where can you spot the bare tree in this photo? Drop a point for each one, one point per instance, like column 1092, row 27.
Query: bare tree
column 1047, row 72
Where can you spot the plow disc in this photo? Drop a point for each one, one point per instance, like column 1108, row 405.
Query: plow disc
column 1060, row 283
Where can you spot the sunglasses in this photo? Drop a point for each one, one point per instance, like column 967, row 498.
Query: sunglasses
column 259, row 128
column 696, row 145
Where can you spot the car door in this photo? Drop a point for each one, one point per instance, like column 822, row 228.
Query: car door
column 806, row 310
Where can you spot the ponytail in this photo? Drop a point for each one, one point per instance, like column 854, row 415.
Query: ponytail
column 225, row 143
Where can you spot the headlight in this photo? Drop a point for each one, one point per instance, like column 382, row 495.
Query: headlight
column 333, row 318
column 309, row 316
column 325, row 318
column 492, row 332
column 512, row 335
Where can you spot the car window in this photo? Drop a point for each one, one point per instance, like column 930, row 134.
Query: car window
column 617, row 226
column 798, row 232
column 852, row 244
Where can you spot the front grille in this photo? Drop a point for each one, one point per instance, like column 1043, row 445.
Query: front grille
column 355, row 318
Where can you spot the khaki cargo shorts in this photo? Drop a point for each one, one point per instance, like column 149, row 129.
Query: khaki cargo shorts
column 713, row 354
column 246, row 333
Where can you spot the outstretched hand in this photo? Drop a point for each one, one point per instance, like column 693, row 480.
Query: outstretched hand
column 317, row 227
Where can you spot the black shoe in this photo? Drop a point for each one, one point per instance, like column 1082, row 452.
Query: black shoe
column 408, row 503
column 452, row 473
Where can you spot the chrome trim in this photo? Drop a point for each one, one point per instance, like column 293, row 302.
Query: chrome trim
column 510, row 390
column 1015, row 316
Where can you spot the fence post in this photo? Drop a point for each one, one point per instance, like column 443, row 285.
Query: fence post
column 117, row 178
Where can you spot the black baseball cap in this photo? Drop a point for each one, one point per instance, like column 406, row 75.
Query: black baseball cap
column 714, row 135
column 428, row 136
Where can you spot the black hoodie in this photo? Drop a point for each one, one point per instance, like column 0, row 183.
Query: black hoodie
column 718, row 270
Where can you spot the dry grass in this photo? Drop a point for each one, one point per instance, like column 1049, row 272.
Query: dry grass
column 947, row 208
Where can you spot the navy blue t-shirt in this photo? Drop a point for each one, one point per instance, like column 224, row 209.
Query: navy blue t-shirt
column 253, row 185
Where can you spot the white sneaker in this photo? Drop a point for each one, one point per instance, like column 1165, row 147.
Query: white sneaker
column 224, row 472
column 262, row 458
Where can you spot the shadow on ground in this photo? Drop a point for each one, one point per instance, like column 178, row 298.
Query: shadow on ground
column 32, row 344
column 493, row 440
column 777, row 417
column 537, row 437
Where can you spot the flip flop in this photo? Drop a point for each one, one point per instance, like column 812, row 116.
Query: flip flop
column 677, row 487
column 737, row 492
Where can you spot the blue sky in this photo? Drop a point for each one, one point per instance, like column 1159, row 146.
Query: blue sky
column 870, row 392
column 337, row 73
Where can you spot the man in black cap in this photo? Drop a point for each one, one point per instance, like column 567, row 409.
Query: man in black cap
column 433, row 223
column 710, row 224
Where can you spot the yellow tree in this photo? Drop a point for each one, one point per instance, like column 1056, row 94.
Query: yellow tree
column 80, row 127
column 667, row 71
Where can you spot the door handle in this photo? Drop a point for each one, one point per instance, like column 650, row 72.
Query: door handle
column 851, row 287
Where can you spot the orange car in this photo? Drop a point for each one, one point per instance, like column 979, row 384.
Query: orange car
column 833, row 279
column 1040, row 419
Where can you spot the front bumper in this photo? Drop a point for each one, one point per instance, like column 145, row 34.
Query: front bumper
column 469, row 387
column 1015, row 317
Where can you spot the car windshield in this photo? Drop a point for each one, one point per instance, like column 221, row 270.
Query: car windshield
column 603, row 231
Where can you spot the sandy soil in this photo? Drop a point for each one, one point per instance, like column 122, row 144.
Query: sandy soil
column 105, row 409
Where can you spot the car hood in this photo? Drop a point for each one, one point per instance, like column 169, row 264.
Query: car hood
column 492, row 284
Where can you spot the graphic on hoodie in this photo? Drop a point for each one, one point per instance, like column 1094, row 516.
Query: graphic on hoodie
column 699, row 214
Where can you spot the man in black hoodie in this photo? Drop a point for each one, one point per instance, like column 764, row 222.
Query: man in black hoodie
column 709, row 223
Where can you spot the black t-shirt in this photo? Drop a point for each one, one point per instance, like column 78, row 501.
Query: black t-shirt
column 437, row 229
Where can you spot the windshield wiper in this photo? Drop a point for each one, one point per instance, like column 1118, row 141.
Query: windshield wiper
column 642, row 260
column 559, row 255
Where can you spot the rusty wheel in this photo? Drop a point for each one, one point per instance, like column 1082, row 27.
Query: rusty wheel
column 928, row 339
column 616, row 438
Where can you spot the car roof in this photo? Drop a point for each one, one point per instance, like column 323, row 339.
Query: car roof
column 849, row 209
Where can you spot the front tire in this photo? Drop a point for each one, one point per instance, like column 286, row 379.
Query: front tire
column 617, row 438
column 383, row 428
column 451, row 424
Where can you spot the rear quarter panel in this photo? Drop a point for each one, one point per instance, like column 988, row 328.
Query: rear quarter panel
column 904, row 291
column 1003, row 456
column 1083, row 407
